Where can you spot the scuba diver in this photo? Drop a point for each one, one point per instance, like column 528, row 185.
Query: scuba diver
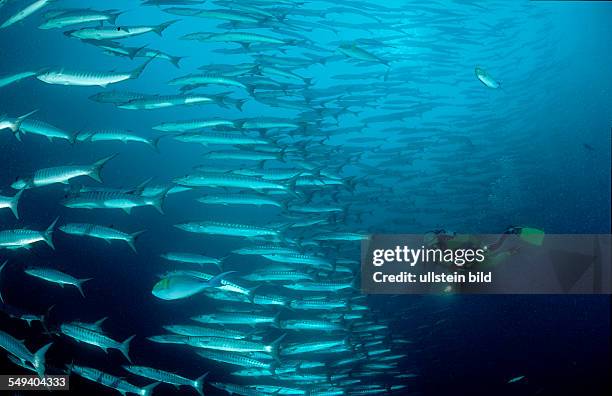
column 494, row 255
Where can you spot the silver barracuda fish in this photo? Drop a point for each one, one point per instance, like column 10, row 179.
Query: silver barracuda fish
column 17, row 349
column 62, row 174
column 125, row 201
column 24, row 238
column 110, row 381
column 60, row 76
column 101, row 232
column 94, row 336
column 112, row 33
column 25, row 12
column 167, row 377
column 64, row 18
column 58, row 277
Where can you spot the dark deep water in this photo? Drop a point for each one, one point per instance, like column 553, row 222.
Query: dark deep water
column 463, row 157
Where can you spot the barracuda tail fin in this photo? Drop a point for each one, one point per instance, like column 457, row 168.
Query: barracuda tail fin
column 215, row 281
column 147, row 390
column 125, row 348
column 155, row 143
column 132, row 239
column 163, row 26
column 80, row 284
column 158, row 200
column 14, row 202
column 39, row 360
column 198, row 384
column 47, row 235
column 138, row 71
column 97, row 167
column 275, row 347
column 175, row 60
column 19, row 120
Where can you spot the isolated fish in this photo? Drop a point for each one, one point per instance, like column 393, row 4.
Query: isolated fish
column 486, row 78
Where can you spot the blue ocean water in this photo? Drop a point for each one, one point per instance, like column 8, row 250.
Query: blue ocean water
column 417, row 140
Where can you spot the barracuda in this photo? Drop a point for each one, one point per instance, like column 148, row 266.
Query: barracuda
column 18, row 349
column 24, row 13
column 244, row 156
column 322, row 304
column 182, row 126
column 206, row 79
column 245, row 39
column 310, row 324
column 116, row 135
column 95, row 337
column 340, row 236
column 167, row 377
column 229, row 229
column 237, row 319
column 112, row 33
column 206, row 138
column 261, row 250
column 235, row 345
column 42, row 128
column 23, row 238
column 486, row 78
column 101, row 232
column 192, row 258
column 125, row 201
column 316, row 346
column 101, row 79
column 58, row 277
column 110, row 381
column 275, row 276
column 229, row 180
column 76, row 17
column 301, row 259
column 200, row 331
column 13, row 78
column 234, row 358
column 330, row 286
column 62, row 174
column 239, row 199
column 160, row 102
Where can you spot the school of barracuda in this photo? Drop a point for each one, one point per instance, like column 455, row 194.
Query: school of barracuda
column 296, row 325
